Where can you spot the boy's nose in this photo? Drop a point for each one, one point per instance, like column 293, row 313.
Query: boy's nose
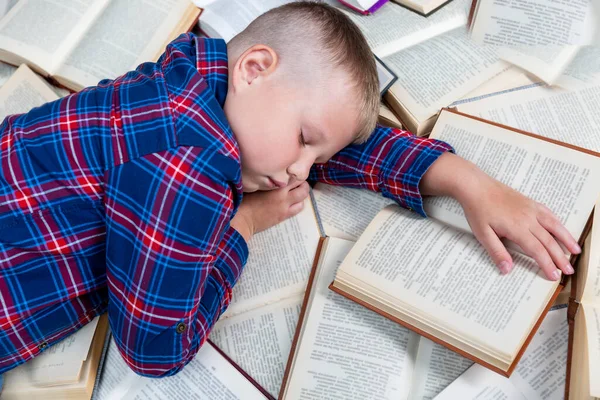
column 299, row 171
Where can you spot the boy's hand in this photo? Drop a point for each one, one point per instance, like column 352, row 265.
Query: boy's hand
column 262, row 210
column 496, row 211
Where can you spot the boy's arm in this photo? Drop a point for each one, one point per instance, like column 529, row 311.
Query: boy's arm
column 170, row 255
column 391, row 161
column 496, row 211
column 404, row 167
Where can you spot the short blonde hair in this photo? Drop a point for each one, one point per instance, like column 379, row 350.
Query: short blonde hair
column 315, row 28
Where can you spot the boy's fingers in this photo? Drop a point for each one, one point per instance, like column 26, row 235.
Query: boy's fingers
column 555, row 251
column 550, row 222
column 496, row 250
column 536, row 250
column 295, row 209
column 299, row 193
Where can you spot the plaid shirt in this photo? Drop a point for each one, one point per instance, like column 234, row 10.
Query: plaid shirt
column 118, row 198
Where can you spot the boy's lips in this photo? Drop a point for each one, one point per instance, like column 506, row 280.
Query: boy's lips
column 276, row 184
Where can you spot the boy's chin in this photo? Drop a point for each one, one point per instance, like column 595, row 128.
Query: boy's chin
column 250, row 187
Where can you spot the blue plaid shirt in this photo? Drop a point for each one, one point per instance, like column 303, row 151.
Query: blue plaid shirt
column 118, row 198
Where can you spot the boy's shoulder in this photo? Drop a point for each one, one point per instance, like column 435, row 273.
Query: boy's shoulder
column 196, row 73
column 189, row 55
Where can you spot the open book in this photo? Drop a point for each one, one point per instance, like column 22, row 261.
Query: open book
column 415, row 48
column 23, row 91
column 584, row 319
column 257, row 329
column 66, row 370
column 79, row 43
column 539, row 375
column 519, row 22
column 544, row 46
column 569, row 116
column 434, row 277
column 279, row 263
column 423, row 7
column 210, row 375
column 388, row 118
column 562, row 66
column 259, row 340
column 345, row 212
column 342, row 350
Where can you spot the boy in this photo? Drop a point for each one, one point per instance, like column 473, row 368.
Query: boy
column 127, row 196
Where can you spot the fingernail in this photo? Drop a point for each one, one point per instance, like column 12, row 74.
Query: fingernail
column 577, row 248
column 504, row 267
column 568, row 269
column 556, row 275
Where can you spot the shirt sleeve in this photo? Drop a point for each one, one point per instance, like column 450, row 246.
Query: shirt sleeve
column 171, row 257
column 392, row 161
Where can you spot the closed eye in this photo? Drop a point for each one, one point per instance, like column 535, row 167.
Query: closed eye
column 301, row 139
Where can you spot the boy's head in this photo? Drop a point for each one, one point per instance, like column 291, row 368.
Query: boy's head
column 302, row 86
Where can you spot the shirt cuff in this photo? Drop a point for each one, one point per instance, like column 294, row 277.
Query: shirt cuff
column 402, row 183
column 232, row 256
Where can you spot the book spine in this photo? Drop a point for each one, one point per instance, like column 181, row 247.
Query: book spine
column 358, row 10
column 101, row 365
column 377, row 5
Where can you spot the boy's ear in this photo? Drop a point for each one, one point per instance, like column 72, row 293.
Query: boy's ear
column 258, row 62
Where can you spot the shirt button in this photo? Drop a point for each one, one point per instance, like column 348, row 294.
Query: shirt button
column 180, row 327
column 43, row 345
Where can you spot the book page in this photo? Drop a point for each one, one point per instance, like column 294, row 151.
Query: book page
column 208, row 376
column 479, row 383
column 509, row 79
column 23, row 91
column 6, row 5
column 279, row 263
column 117, row 378
column 388, row 118
column 442, row 280
column 43, row 31
column 584, row 69
column 435, row 368
column 546, row 62
column 567, row 116
column 345, row 350
column 394, row 28
column 259, row 341
column 60, row 364
column 346, row 212
column 423, row 87
column 592, row 323
column 588, row 270
column 539, row 375
column 227, row 18
column 6, row 71
column 556, row 176
column 533, row 22
column 127, row 33
column 542, row 371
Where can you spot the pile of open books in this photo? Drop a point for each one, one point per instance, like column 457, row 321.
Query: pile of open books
column 442, row 304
